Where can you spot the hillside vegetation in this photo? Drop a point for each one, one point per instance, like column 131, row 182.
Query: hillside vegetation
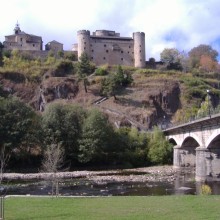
column 94, row 113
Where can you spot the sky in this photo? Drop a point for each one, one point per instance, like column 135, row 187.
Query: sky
column 180, row 24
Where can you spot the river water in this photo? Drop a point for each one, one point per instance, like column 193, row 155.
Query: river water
column 181, row 183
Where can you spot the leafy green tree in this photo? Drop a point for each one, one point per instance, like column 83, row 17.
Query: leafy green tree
column 196, row 53
column 84, row 69
column 122, row 78
column 109, row 87
column 112, row 84
column 17, row 123
column 63, row 124
column 96, row 138
column 171, row 57
column 160, row 150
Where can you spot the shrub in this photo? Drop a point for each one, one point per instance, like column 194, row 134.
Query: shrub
column 101, row 72
column 64, row 67
column 205, row 190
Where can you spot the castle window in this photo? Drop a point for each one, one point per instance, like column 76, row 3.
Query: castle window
column 21, row 39
column 33, row 45
column 140, row 45
column 103, row 58
column 121, row 58
column 140, row 51
column 129, row 46
column 84, row 48
column 92, row 50
column 104, row 45
column 128, row 52
column 106, row 51
column 122, row 52
column 21, row 45
column 91, row 58
column 84, row 42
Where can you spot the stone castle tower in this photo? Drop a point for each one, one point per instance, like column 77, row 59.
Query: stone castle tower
column 107, row 47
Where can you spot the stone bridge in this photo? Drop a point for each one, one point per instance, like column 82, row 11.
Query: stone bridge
column 197, row 144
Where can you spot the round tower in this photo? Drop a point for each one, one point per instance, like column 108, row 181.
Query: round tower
column 83, row 38
column 139, row 49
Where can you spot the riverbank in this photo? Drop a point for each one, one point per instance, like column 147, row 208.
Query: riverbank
column 145, row 174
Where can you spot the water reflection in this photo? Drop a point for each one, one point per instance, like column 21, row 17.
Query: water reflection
column 183, row 183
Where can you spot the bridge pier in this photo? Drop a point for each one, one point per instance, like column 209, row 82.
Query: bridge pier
column 177, row 160
column 183, row 157
column 202, row 167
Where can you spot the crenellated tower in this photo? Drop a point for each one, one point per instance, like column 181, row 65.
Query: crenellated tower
column 139, row 49
column 83, row 37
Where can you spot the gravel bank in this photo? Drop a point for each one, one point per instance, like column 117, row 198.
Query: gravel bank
column 157, row 173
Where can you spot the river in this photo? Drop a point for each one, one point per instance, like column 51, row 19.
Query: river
column 162, row 180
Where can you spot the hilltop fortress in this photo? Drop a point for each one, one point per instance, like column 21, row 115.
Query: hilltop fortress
column 107, row 47
column 103, row 46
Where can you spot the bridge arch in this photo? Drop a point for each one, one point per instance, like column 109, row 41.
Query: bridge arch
column 172, row 141
column 193, row 138
column 212, row 141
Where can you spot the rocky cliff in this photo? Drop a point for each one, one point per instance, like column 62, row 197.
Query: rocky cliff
column 147, row 102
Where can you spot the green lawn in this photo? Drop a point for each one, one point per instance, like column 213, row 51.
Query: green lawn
column 148, row 207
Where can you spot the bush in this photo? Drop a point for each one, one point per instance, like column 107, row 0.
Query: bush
column 101, row 72
column 64, row 67
column 205, row 190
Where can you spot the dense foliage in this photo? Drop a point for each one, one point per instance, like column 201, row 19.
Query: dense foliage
column 85, row 136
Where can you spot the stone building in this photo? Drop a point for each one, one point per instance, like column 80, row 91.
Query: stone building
column 54, row 46
column 107, row 47
column 22, row 41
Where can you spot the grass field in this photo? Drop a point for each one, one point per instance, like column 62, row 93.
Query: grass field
column 104, row 208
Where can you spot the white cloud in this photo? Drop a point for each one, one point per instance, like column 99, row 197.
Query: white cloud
column 183, row 24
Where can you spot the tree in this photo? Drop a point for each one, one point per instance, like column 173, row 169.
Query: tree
column 207, row 64
column 171, row 57
column 112, row 84
column 109, row 87
column 96, row 137
column 202, row 50
column 63, row 124
column 122, row 78
column 160, row 150
column 16, row 127
column 53, row 159
column 84, row 69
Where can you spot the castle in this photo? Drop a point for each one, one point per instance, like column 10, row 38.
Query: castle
column 103, row 46
column 107, row 47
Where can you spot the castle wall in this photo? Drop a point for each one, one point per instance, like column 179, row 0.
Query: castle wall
column 111, row 51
